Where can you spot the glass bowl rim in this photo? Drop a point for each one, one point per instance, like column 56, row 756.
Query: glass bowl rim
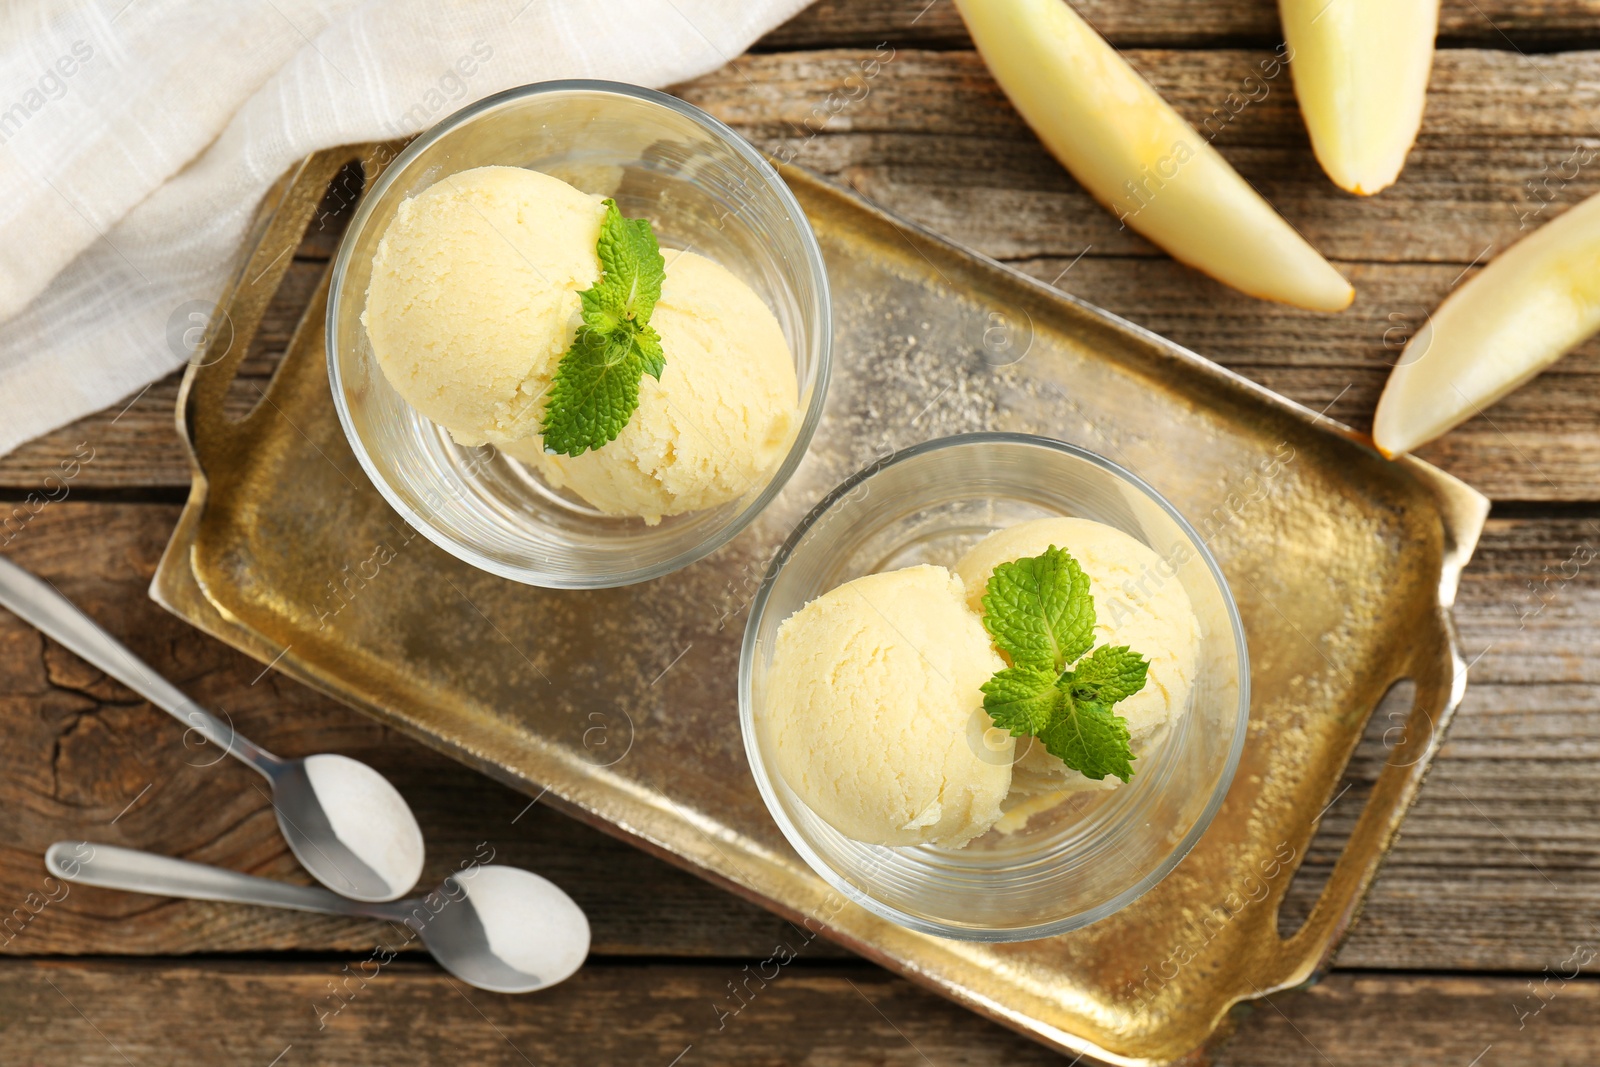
column 823, row 344
column 921, row 924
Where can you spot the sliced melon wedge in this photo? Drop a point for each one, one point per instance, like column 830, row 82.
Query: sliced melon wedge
column 1360, row 70
column 1138, row 157
column 1531, row 305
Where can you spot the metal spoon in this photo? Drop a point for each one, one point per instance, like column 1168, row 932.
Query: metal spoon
column 498, row 928
column 345, row 823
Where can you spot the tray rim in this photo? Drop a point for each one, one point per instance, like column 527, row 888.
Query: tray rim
column 178, row 586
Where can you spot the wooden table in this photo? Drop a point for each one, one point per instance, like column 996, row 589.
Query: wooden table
column 1468, row 947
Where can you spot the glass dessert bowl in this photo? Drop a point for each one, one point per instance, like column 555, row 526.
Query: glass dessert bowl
column 1056, row 860
column 708, row 196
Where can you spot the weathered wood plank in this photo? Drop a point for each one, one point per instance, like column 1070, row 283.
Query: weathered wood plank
column 985, row 182
column 82, row 758
column 1540, row 443
column 1498, row 866
column 96, row 1013
column 934, row 140
column 931, row 136
column 935, row 23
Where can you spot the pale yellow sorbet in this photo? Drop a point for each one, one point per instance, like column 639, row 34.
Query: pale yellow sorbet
column 722, row 416
column 875, row 714
column 474, row 297
column 1138, row 602
column 474, row 300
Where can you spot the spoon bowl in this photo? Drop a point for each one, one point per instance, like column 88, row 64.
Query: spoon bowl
column 506, row 930
column 496, row 928
column 348, row 826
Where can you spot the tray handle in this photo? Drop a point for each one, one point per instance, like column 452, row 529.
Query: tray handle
column 1439, row 674
column 279, row 226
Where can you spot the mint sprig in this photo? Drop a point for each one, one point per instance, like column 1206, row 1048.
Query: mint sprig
column 595, row 390
column 1041, row 615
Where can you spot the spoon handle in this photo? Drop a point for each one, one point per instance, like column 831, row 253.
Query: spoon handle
column 146, row 872
column 38, row 603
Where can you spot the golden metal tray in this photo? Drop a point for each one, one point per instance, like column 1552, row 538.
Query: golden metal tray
column 622, row 701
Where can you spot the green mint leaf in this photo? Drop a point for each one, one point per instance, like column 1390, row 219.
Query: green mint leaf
column 1039, row 610
column 647, row 346
column 1040, row 613
column 603, row 308
column 595, row 390
column 1022, row 700
column 1089, row 738
column 1112, row 673
column 632, row 263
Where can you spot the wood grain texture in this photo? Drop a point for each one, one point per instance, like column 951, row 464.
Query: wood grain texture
column 934, row 127
column 82, row 758
column 930, row 137
column 1498, row 867
column 1496, row 875
column 935, row 23
column 110, row 1014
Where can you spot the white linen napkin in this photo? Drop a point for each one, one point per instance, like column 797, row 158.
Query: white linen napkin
column 137, row 137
